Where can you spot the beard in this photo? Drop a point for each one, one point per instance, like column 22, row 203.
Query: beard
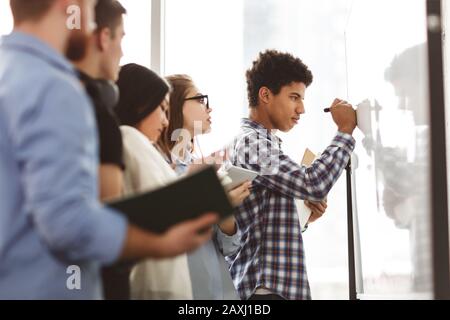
column 76, row 45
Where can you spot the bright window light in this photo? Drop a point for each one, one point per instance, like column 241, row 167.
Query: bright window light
column 6, row 22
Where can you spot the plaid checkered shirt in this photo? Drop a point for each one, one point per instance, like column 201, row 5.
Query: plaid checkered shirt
column 271, row 255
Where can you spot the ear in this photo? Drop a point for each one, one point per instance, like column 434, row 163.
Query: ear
column 264, row 95
column 104, row 39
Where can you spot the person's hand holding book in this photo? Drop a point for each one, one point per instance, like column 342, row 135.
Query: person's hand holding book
column 317, row 208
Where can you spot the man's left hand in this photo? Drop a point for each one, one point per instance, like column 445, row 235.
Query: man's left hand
column 318, row 209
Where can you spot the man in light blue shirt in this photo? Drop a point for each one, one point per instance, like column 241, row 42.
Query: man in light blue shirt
column 54, row 234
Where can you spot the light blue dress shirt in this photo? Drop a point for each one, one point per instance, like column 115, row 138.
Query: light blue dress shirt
column 210, row 277
column 50, row 218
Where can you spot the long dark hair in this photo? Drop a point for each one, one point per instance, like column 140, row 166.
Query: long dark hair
column 180, row 84
column 141, row 92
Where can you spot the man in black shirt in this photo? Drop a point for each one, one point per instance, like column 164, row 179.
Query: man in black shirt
column 98, row 71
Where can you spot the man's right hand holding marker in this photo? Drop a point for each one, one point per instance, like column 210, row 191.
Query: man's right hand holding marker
column 343, row 115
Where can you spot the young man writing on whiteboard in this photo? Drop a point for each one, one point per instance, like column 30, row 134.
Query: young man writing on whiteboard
column 270, row 263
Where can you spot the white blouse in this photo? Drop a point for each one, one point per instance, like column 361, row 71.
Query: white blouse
column 145, row 170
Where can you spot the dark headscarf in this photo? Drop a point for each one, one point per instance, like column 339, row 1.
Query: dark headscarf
column 141, row 92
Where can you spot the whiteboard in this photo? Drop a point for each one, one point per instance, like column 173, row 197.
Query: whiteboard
column 387, row 78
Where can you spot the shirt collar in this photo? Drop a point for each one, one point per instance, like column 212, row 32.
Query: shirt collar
column 247, row 123
column 28, row 43
column 186, row 160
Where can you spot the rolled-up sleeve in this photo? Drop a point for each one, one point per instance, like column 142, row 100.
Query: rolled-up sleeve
column 280, row 173
column 228, row 245
column 57, row 145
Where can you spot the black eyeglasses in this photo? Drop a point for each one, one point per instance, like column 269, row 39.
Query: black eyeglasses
column 203, row 99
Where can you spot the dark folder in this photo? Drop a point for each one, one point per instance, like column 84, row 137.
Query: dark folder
column 185, row 199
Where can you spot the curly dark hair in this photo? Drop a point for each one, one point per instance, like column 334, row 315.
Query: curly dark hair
column 274, row 70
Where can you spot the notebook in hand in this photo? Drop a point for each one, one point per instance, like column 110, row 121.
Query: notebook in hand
column 303, row 211
column 233, row 176
column 185, row 199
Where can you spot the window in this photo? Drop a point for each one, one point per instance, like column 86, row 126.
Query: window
column 137, row 41
column 6, row 22
column 201, row 42
column 388, row 69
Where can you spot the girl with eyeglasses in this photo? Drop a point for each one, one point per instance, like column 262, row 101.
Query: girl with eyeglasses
column 190, row 116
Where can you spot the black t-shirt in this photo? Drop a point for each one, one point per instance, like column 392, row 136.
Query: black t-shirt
column 115, row 277
column 110, row 137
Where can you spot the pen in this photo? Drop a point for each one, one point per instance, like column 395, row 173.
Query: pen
column 327, row 110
